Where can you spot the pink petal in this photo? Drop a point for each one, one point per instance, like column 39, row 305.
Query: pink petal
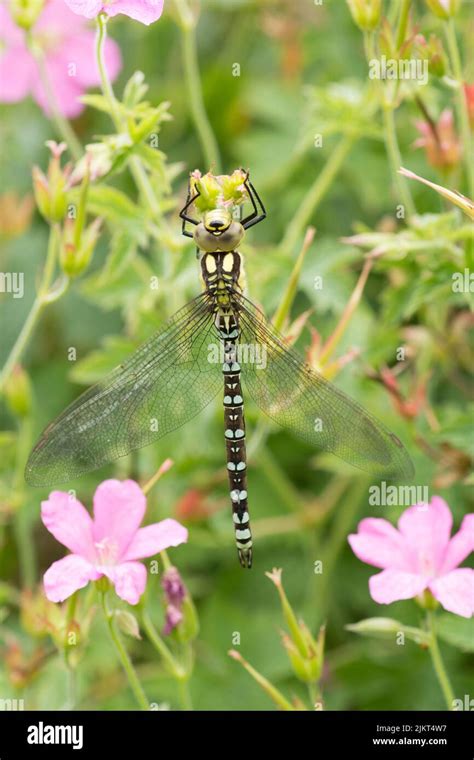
column 66, row 576
column 392, row 585
column 378, row 543
column 17, row 71
column 69, row 522
column 87, row 8
column 154, row 538
column 66, row 89
column 426, row 529
column 129, row 579
column 146, row 11
column 455, row 591
column 460, row 546
column 9, row 31
column 76, row 59
column 119, row 508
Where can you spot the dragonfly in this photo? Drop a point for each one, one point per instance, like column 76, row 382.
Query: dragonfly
column 212, row 344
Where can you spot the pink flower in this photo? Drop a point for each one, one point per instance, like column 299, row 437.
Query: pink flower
column 419, row 555
column 440, row 141
column 68, row 49
column 107, row 545
column 146, row 11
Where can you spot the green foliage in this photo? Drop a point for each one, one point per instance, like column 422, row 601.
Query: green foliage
column 303, row 75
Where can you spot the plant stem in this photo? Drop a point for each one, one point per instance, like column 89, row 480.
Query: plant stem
column 71, row 676
column 286, row 302
column 315, row 194
column 179, row 673
column 185, row 694
column 22, row 522
column 106, row 84
column 62, row 125
column 438, row 664
column 395, row 159
column 160, row 645
column 402, row 23
column 25, row 545
column 38, row 305
column 136, row 167
column 314, row 695
column 142, row 182
column 124, row 658
column 344, row 518
column 207, row 138
column 275, row 695
column 390, row 134
column 463, row 115
column 354, row 300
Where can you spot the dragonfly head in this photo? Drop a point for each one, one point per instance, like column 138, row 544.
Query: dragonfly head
column 218, row 231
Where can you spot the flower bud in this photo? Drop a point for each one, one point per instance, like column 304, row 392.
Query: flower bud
column 18, row 392
column 307, row 669
column 377, row 626
column 15, row 214
column 25, row 12
column 40, row 617
column 51, row 190
column 440, row 141
column 76, row 254
column 181, row 614
column 444, row 9
column 127, row 623
column 209, row 189
column 433, row 52
column 290, row 617
column 469, row 95
column 233, row 189
column 173, row 586
column 188, row 628
column 366, row 13
column 387, row 42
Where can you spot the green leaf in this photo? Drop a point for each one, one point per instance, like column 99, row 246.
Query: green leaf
column 99, row 102
column 457, row 631
column 456, row 429
column 152, row 157
column 122, row 249
column 119, row 210
column 135, row 89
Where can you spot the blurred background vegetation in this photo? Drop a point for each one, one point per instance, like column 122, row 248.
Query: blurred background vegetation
column 302, row 72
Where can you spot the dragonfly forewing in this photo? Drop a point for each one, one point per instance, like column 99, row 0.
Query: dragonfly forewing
column 165, row 383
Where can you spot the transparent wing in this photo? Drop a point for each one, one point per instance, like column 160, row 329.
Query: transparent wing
column 165, row 383
column 306, row 404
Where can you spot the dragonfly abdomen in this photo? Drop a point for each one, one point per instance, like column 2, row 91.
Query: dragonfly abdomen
column 235, row 437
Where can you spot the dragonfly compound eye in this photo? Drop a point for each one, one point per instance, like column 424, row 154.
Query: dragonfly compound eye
column 210, row 241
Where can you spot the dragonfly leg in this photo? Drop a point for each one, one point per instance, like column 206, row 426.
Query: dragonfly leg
column 258, row 214
column 184, row 216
